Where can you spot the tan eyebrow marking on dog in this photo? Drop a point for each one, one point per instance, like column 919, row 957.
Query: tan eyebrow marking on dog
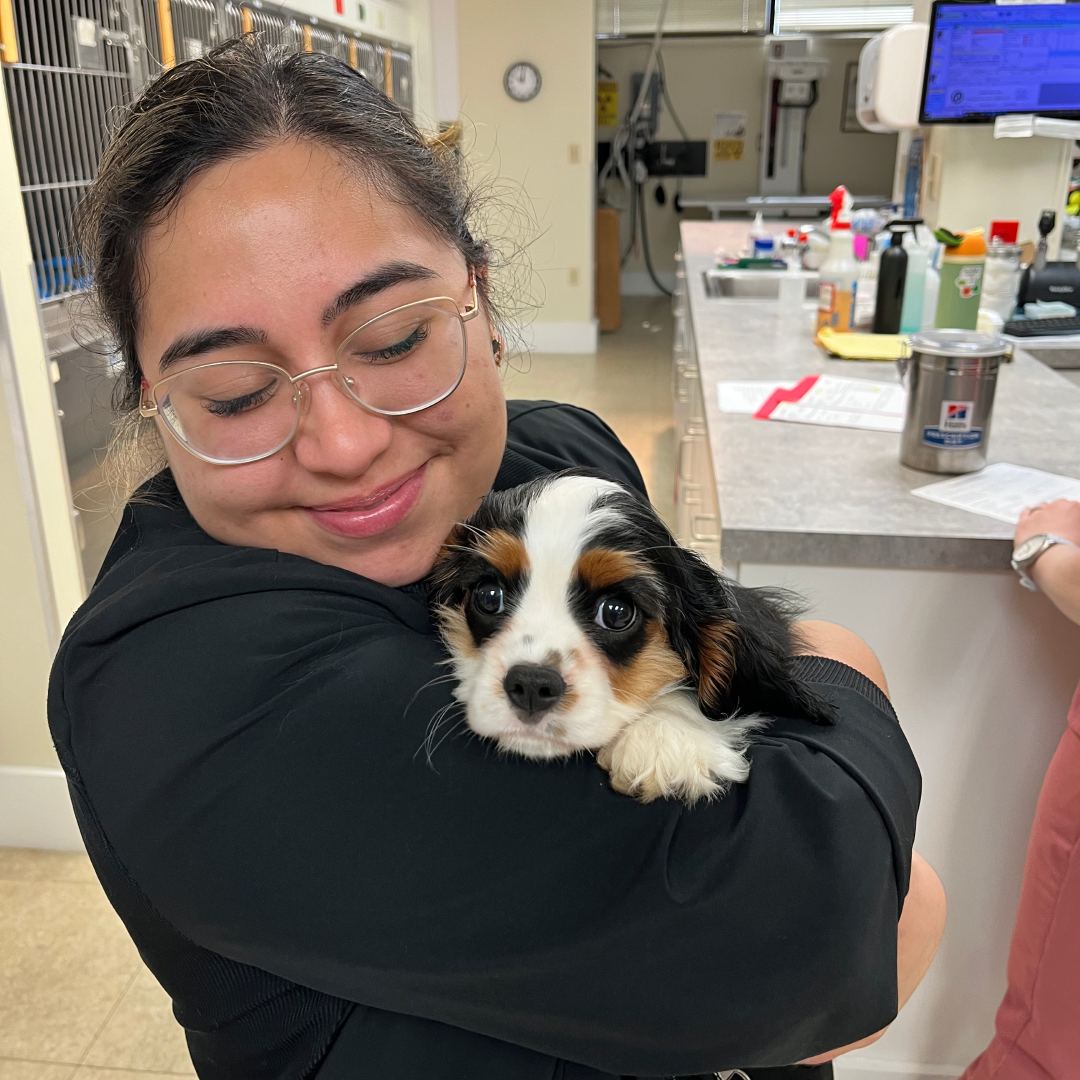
column 600, row 568
column 655, row 666
column 716, row 659
column 505, row 552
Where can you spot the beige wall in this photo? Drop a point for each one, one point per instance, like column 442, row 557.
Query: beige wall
column 1029, row 175
column 37, row 525
column 25, row 645
column 726, row 74
column 544, row 148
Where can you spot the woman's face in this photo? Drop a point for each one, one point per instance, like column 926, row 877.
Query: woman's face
column 272, row 242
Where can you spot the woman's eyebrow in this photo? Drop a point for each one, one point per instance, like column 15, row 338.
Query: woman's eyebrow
column 199, row 342
column 382, row 278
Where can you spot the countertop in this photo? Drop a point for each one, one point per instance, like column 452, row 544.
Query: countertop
column 809, row 495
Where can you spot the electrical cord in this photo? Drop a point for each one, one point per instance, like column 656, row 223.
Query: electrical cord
column 633, row 232
column 625, row 133
column 667, row 97
column 645, row 243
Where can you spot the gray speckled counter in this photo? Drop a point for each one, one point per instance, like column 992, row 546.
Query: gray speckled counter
column 802, row 494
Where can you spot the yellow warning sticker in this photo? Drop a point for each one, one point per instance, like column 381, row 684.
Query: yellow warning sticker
column 607, row 103
column 728, row 149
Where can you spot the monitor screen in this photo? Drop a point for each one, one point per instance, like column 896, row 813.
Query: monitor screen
column 985, row 60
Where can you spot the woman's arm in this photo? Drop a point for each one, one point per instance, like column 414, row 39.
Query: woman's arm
column 922, row 921
column 919, row 933
column 1057, row 570
column 256, row 763
column 820, row 638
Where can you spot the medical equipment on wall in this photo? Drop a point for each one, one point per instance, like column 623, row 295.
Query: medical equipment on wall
column 791, row 90
column 888, row 89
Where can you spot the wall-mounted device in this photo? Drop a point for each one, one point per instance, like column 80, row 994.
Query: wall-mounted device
column 791, row 82
column 886, row 96
column 987, row 60
column 666, row 157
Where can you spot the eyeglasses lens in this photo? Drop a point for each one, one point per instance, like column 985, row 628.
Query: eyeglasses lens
column 238, row 411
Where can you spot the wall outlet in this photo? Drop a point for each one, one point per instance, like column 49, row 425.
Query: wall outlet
column 574, row 276
column 575, row 153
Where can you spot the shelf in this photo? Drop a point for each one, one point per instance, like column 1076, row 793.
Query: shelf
column 1026, row 125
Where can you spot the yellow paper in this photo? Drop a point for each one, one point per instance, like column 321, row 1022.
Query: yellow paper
column 862, row 346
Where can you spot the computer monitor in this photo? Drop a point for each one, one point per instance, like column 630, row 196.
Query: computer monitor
column 985, row 60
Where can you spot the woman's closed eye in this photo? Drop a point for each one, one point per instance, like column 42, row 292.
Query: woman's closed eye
column 389, row 354
column 244, row 403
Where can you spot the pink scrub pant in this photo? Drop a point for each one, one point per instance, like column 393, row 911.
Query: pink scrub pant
column 1037, row 1030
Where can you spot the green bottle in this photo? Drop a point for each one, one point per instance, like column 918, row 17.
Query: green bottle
column 962, row 268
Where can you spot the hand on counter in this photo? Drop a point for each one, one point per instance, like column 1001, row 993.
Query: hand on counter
column 1057, row 570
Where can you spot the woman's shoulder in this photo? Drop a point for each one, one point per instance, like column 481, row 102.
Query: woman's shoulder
column 548, row 436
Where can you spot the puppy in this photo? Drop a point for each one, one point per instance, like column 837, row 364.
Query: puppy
column 575, row 622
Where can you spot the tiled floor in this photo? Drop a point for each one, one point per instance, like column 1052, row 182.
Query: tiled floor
column 76, row 1002
column 628, row 383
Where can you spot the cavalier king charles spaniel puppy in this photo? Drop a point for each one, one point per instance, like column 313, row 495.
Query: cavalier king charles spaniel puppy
column 575, row 622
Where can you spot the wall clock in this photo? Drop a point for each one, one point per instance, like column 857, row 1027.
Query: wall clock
column 522, row 80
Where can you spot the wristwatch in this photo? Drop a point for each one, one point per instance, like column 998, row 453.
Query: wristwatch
column 1025, row 554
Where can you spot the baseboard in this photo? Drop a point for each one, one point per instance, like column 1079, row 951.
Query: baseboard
column 35, row 809
column 855, row 1067
column 638, row 283
column 560, row 337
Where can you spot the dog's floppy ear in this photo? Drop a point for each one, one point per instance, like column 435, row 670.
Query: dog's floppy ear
column 444, row 582
column 739, row 644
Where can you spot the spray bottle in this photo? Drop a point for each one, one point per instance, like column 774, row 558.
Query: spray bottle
column 840, row 271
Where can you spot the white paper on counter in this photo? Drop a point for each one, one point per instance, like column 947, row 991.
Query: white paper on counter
column 836, row 401
column 735, row 396
column 1001, row 490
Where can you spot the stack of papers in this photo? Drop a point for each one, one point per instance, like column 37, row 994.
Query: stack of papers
column 1001, row 490
column 830, row 400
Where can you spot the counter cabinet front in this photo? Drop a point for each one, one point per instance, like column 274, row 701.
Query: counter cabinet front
column 981, row 671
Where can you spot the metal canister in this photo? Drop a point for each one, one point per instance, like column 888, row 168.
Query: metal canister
column 950, row 377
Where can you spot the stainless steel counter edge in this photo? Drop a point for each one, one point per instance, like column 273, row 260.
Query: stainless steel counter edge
column 810, row 495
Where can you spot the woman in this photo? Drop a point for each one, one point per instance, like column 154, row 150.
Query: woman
column 1035, row 1031
column 240, row 702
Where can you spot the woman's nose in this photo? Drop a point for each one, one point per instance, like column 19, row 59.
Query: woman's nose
column 336, row 435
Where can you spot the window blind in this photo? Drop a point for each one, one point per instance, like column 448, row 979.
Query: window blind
column 616, row 18
column 795, row 16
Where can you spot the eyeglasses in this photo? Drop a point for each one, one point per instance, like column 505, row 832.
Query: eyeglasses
column 233, row 412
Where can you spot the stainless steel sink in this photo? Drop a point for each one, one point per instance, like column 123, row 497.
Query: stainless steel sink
column 796, row 285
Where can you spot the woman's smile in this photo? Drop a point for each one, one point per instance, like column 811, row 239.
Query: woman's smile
column 363, row 516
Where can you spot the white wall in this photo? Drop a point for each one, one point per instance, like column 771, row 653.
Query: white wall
column 539, row 155
column 726, row 74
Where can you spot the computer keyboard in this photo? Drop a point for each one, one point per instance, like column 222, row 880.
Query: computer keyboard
column 1052, row 327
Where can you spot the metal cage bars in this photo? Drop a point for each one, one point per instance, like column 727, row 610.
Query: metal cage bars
column 71, row 66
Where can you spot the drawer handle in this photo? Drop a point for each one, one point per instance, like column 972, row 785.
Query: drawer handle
column 684, row 442
column 704, row 537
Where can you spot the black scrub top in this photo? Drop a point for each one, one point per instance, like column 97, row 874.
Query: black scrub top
column 241, row 732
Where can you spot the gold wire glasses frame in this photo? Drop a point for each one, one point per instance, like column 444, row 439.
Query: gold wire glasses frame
column 156, row 399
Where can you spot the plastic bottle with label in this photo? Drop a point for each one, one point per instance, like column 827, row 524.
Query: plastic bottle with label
column 918, row 244
column 760, row 241
column 840, row 272
column 962, row 267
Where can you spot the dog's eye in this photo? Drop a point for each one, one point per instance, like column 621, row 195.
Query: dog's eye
column 616, row 613
column 489, row 599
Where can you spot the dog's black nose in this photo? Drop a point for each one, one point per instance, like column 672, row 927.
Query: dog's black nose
column 533, row 689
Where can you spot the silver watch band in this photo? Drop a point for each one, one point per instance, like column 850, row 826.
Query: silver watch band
column 1022, row 571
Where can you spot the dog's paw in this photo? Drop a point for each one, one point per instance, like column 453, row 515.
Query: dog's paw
column 673, row 753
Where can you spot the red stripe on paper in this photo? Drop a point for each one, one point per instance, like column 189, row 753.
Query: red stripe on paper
column 796, row 393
